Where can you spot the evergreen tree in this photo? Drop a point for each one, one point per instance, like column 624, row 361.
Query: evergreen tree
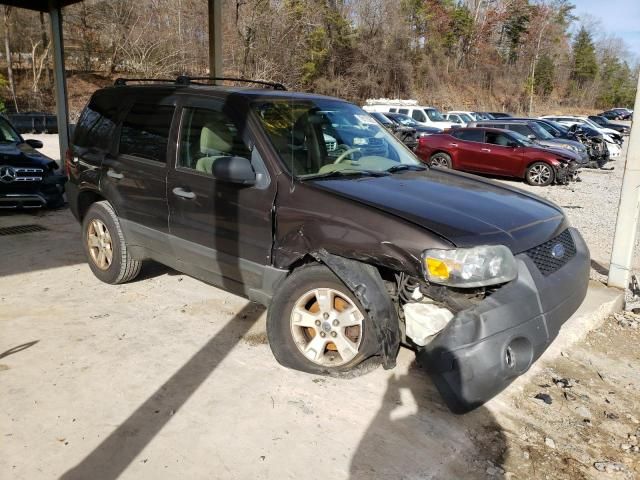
column 585, row 65
column 545, row 71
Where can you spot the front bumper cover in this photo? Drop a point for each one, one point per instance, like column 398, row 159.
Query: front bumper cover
column 46, row 193
column 483, row 349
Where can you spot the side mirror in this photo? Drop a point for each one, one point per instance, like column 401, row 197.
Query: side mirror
column 234, row 170
column 531, row 136
column 34, row 143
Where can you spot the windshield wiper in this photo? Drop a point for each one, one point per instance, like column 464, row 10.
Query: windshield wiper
column 404, row 166
column 347, row 173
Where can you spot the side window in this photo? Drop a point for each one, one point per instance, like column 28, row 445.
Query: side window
column 206, row 136
column 403, row 110
column 470, row 135
column 393, row 110
column 497, row 138
column 145, row 132
column 418, row 116
column 521, row 129
column 97, row 123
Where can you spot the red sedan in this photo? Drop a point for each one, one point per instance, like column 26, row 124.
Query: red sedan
column 498, row 152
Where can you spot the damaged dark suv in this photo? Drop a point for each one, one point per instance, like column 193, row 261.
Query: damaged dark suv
column 355, row 247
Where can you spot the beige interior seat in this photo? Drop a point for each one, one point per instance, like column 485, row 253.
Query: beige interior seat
column 216, row 141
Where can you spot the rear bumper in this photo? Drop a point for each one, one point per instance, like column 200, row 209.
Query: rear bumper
column 483, row 349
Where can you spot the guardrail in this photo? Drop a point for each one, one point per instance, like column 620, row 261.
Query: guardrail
column 34, row 122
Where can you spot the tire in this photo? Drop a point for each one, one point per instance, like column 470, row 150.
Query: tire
column 290, row 333
column 440, row 159
column 102, row 225
column 539, row 174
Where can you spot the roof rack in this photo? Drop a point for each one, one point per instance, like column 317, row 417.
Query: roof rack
column 124, row 81
column 185, row 80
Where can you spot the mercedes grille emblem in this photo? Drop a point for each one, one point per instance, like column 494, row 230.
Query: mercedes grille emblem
column 558, row 251
column 7, row 174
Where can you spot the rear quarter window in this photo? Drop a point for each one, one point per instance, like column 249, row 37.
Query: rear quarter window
column 145, row 132
column 97, row 123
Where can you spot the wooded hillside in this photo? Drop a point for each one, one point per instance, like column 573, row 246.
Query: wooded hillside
column 514, row 55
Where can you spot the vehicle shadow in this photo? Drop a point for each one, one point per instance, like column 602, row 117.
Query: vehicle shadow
column 109, row 459
column 415, row 436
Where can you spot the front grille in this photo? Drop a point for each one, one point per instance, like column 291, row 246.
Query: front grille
column 547, row 255
column 18, row 229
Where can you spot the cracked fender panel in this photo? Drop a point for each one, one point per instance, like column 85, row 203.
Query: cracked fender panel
column 367, row 285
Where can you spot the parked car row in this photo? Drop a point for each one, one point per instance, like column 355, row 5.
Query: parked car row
column 542, row 151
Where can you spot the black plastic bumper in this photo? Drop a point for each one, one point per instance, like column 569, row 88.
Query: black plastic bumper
column 46, row 193
column 483, row 349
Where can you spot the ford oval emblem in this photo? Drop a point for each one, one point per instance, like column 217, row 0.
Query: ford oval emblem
column 558, row 251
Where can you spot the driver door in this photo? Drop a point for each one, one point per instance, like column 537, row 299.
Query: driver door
column 498, row 155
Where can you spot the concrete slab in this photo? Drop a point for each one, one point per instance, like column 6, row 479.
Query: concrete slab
column 167, row 377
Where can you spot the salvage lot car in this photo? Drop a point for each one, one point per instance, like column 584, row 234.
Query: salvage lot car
column 354, row 255
column 499, row 152
column 28, row 179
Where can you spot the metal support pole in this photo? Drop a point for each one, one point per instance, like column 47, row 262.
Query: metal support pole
column 55, row 18
column 215, row 38
column 628, row 209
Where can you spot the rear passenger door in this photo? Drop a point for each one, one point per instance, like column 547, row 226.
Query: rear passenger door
column 469, row 145
column 134, row 178
column 221, row 231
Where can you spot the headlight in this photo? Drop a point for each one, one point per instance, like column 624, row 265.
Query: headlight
column 360, row 141
column 470, row 267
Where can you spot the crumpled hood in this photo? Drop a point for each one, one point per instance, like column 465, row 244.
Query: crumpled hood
column 464, row 209
column 22, row 155
column 555, row 147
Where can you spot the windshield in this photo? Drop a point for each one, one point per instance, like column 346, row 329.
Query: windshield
column 522, row 140
column 465, row 118
column 382, row 119
column 316, row 137
column 7, row 133
column 405, row 120
column 591, row 123
column 540, row 132
column 434, row 115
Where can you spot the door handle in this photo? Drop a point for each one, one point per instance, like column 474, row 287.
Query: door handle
column 486, row 149
column 113, row 174
column 181, row 192
column 453, row 144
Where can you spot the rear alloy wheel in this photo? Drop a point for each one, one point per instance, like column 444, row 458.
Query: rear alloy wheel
column 315, row 324
column 440, row 159
column 107, row 251
column 540, row 174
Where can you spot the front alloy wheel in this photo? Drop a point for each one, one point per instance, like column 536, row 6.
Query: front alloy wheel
column 540, row 174
column 326, row 326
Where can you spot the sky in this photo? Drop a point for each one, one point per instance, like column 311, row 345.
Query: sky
column 618, row 17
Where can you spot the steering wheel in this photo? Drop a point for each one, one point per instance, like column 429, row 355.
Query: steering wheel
column 344, row 154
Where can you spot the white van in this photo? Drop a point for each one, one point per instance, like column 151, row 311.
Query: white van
column 427, row 116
